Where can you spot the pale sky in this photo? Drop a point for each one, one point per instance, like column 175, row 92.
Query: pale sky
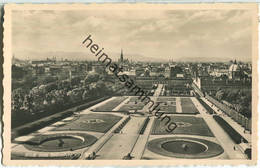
column 143, row 35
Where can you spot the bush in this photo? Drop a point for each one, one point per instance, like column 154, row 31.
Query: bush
column 122, row 125
column 234, row 135
column 145, row 125
column 248, row 153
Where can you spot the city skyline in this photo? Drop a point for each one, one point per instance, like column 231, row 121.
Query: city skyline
column 221, row 35
column 153, row 82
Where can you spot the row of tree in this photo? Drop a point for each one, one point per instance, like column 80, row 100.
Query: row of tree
column 60, row 93
column 238, row 99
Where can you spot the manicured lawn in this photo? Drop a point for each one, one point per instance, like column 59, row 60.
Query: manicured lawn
column 167, row 103
column 92, row 122
column 110, row 105
column 187, row 125
column 131, row 106
column 168, row 109
column 163, row 99
column 188, row 106
column 133, row 99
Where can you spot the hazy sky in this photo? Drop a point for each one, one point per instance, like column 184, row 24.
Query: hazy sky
column 143, row 35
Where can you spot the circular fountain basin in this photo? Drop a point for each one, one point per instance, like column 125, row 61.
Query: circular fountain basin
column 185, row 147
column 60, row 142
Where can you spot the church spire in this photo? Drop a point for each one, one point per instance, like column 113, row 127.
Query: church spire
column 121, row 56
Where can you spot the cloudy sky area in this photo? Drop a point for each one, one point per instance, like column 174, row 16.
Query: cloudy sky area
column 142, row 34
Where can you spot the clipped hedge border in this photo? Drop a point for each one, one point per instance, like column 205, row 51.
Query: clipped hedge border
column 122, row 125
column 234, row 135
column 206, row 106
column 168, row 112
column 144, row 126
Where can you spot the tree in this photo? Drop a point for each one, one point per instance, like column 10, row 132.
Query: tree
column 28, row 103
column 232, row 96
column 224, row 77
column 29, row 81
column 18, row 72
column 91, row 77
column 46, row 79
column 220, row 94
column 17, row 98
column 75, row 81
column 85, row 94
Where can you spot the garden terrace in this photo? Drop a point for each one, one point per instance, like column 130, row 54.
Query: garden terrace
column 45, row 121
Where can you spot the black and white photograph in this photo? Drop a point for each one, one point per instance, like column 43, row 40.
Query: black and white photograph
column 175, row 84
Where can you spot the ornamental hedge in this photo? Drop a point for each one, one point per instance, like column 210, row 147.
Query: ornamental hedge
column 145, row 125
column 206, row 106
column 122, row 125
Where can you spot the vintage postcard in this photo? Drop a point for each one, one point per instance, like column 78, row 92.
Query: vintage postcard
column 130, row 84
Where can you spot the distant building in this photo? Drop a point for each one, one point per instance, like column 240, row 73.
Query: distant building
column 121, row 60
column 38, row 70
column 146, row 72
column 234, row 72
column 130, row 73
column 98, row 68
column 48, row 60
column 222, row 77
column 219, row 72
column 176, row 71
column 139, row 72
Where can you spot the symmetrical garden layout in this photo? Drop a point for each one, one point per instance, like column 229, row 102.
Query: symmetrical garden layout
column 120, row 128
